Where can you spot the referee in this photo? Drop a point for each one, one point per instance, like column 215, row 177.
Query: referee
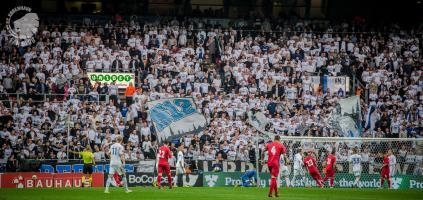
column 88, row 157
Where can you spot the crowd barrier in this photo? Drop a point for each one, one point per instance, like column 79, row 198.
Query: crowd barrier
column 402, row 167
column 78, row 167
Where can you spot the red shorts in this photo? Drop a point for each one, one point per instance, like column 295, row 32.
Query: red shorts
column 330, row 173
column 384, row 173
column 274, row 170
column 315, row 175
column 163, row 168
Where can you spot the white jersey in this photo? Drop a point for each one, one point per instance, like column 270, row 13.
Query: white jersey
column 298, row 161
column 116, row 150
column 282, row 160
column 355, row 159
column 283, row 170
column 180, row 161
column 392, row 161
column 392, row 164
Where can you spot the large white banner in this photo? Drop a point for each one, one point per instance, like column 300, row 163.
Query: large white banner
column 346, row 117
column 259, row 121
column 175, row 117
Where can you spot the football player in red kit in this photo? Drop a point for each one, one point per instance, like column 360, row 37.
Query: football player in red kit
column 310, row 163
column 384, row 172
column 274, row 151
column 163, row 165
column 330, row 168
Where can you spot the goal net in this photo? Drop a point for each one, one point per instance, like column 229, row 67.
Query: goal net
column 355, row 157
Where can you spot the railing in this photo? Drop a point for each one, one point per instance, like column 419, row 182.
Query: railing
column 41, row 98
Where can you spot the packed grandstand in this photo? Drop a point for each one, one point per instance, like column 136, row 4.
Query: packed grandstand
column 50, row 105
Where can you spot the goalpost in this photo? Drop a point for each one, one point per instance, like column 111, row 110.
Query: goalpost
column 406, row 169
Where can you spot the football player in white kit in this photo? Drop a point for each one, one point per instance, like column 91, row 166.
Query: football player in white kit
column 117, row 162
column 355, row 159
column 283, row 170
column 392, row 163
column 298, row 167
column 180, row 166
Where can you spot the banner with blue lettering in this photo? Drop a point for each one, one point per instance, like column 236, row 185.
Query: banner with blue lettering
column 76, row 166
column 175, row 117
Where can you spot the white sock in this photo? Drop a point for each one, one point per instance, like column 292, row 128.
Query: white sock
column 108, row 182
column 287, row 181
column 293, row 182
column 356, row 181
column 278, row 182
column 125, row 183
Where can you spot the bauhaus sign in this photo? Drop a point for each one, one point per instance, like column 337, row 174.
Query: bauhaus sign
column 47, row 180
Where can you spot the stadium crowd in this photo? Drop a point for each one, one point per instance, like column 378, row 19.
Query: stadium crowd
column 254, row 65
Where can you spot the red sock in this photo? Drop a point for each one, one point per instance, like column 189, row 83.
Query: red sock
column 159, row 180
column 331, row 182
column 271, row 187
column 319, row 182
column 169, row 180
column 275, row 185
column 389, row 183
column 381, row 182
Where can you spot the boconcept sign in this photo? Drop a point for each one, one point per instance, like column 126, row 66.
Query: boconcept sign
column 147, row 179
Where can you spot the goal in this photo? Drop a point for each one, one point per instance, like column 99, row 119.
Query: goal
column 406, row 160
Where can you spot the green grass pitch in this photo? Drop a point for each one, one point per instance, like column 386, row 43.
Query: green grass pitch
column 142, row 193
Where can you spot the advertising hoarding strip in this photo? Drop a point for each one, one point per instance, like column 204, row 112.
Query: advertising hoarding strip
column 47, row 180
column 342, row 180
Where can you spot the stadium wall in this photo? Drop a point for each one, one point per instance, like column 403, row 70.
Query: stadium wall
column 405, row 168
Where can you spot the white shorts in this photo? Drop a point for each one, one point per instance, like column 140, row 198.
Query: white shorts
column 357, row 170
column 117, row 168
column 299, row 171
column 284, row 171
column 179, row 170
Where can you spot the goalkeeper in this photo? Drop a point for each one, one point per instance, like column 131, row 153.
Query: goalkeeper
column 248, row 178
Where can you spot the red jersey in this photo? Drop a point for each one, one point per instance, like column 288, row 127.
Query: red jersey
column 330, row 162
column 164, row 155
column 274, row 151
column 310, row 163
column 386, row 162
